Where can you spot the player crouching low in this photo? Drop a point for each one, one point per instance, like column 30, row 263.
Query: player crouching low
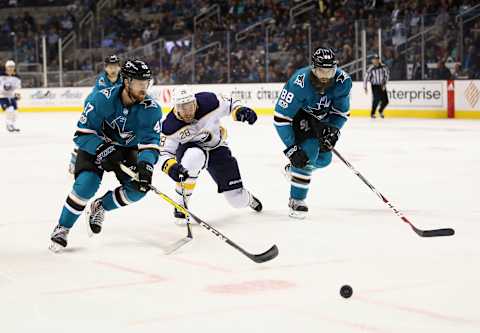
column 120, row 124
column 193, row 139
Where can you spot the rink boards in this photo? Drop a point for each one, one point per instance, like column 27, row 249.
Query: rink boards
column 408, row 99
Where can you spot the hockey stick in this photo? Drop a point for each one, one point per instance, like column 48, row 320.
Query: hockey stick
column 422, row 233
column 178, row 244
column 258, row 258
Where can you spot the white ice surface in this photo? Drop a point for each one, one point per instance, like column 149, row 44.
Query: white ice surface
column 122, row 282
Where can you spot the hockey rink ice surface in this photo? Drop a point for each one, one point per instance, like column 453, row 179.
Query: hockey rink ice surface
column 121, row 281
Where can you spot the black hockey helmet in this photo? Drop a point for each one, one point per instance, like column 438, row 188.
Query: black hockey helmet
column 324, row 57
column 136, row 69
column 112, row 59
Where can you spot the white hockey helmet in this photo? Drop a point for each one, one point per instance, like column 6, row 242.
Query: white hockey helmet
column 185, row 104
column 10, row 63
column 183, row 95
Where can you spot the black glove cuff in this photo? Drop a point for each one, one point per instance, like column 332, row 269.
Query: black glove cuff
column 291, row 150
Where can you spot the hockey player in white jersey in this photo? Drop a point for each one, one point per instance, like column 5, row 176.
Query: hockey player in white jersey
column 9, row 83
column 193, row 139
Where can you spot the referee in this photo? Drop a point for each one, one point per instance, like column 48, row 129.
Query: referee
column 377, row 75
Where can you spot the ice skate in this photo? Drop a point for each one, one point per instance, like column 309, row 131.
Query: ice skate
column 12, row 128
column 298, row 209
column 255, row 204
column 95, row 217
column 180, row 218
column 59, row 238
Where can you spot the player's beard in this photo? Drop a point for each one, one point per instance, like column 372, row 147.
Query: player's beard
column 320, row 86
column 136, row 97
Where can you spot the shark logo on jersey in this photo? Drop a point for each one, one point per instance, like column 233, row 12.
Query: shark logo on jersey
column 101, row 81
column 321, row 108
column 300, row 80
column 118, row 127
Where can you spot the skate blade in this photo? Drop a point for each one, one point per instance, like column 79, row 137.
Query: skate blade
column 55, row 248
column 297, row 215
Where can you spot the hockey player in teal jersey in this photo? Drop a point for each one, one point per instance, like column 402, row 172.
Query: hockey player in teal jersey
column 106, row 79
column 312, row 108
column 111, row 74
column 120, row 124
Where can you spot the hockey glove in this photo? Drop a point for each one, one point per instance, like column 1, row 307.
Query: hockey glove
column 297, row 156
column 243, row 113
column 145, row 172
column 328, row 136
column 177, row 172
column 108, row 157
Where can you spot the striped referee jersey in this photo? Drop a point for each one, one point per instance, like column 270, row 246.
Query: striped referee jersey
column 377, row 75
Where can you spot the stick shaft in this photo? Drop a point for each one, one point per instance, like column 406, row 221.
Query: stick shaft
column 263, row 257
column 422, row 233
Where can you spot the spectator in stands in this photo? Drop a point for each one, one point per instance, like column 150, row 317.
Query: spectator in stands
column 29, row 22
column 417, row 69
column 441, row 72
column 331, row 22
column 470, row 57
column 458, row 73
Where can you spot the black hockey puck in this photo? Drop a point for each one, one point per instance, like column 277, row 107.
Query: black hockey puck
column 346, row 291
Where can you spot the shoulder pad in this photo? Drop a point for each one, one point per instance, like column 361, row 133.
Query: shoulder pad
column 172, row 124
column 101, row 81
column 149, row 103
column 107, row 92
column 207, row 102
column 341, row 76
column 299, row 77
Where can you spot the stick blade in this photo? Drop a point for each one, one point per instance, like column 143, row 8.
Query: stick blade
column 435, row 232
column 268, row 255
column 178, row 244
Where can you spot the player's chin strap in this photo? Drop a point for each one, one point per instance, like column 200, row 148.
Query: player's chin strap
column 270, row 254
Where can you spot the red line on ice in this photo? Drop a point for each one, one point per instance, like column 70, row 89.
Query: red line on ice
column 130, row 270
column 101, row 287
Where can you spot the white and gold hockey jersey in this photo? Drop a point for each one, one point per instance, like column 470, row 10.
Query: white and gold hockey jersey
column 205, row 131
column 9, row 85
